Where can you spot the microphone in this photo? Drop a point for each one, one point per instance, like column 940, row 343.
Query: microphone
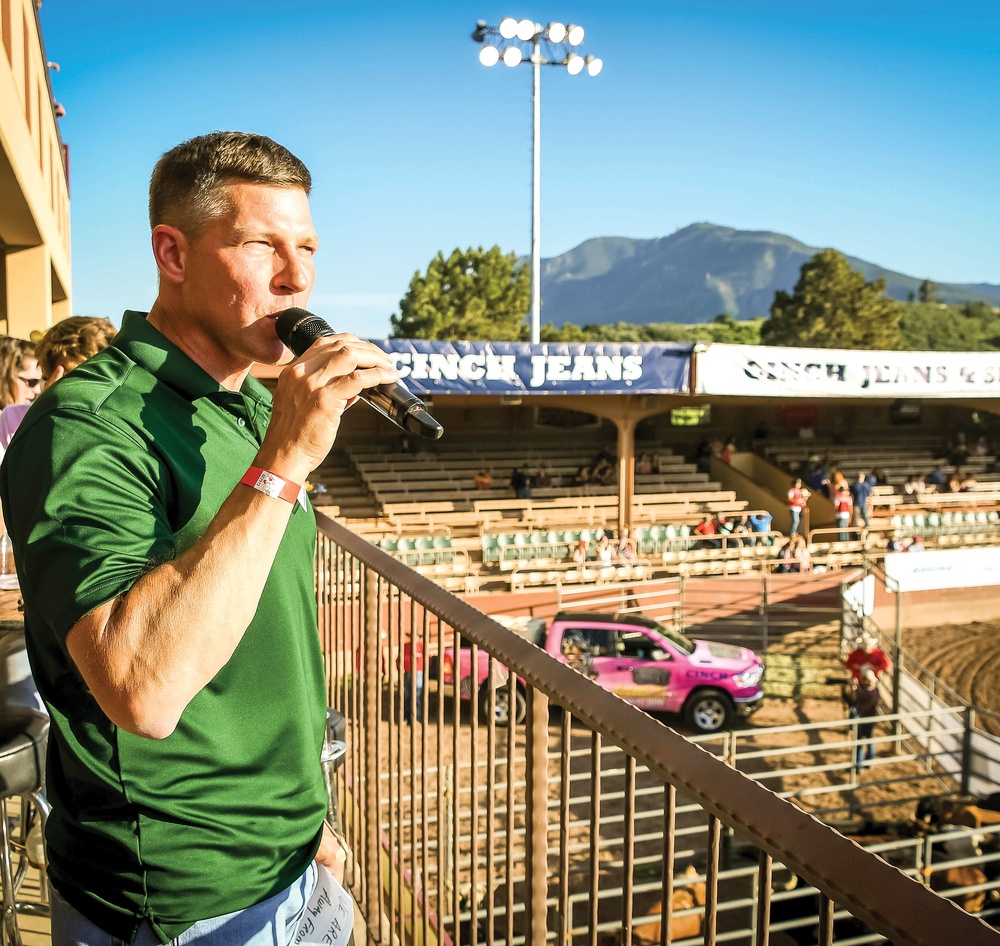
column 298, row 329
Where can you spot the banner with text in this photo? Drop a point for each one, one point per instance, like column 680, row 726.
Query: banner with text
column 755, row 370
column 513, row 368
column 951, row 568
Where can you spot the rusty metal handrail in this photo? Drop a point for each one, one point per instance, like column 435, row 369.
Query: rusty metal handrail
column 901, row 909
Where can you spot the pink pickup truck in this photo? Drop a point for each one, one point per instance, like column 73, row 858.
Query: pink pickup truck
column 640, row 660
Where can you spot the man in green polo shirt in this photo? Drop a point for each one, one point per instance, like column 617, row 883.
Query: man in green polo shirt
column 154, row 499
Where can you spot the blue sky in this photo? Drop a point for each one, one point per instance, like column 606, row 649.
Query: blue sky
column 868, row 126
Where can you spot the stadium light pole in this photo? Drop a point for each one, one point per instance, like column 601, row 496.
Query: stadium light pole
column 552, row 45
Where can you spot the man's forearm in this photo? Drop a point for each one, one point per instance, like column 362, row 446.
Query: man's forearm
column 147, row 653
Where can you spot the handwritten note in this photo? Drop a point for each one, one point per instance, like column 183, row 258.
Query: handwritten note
column 329, row 915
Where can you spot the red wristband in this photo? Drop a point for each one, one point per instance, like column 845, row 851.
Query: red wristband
column 271, row 484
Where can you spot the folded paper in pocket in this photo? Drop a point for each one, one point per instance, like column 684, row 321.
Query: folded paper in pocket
column 329, row 915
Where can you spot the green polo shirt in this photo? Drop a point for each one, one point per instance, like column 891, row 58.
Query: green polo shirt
column 118, row 467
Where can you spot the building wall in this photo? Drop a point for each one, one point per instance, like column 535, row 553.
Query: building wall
column 34, row 192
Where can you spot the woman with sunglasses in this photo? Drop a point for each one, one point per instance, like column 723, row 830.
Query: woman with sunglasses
column 20, row 376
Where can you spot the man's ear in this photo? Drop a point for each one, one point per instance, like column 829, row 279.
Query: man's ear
column 170, row 248
column 57, row 373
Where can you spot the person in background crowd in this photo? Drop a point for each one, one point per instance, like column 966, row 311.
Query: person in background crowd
column 800, row 553
column 843, row 507
column 542, row 478
column 863, row 700
column 624, row 550
column 483, row 479
column 861, row 491
column 413, row 678
column 20, row 376
column 644, row 465
column 760, row 523
column 520, row 481
column 707, row 530
column 798, row 497
column 937, row 479
column 867, row 655
column 64, row 346
column 916, row 544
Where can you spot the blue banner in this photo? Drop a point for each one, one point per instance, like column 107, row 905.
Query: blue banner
column 521, row 368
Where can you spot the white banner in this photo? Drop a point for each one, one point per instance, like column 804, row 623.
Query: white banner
column 952, row 568
column 757, row 370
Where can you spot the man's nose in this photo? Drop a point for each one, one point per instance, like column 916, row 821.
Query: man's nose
column 295, row 275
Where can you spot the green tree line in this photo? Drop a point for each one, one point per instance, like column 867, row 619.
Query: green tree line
column 479, row 294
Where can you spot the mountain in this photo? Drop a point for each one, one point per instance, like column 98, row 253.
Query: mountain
column 695, row 274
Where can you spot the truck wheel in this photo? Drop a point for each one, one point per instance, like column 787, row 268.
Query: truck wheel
column 501, row 711
column 709, row 711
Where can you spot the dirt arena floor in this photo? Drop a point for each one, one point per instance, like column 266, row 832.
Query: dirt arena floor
column 964, row 656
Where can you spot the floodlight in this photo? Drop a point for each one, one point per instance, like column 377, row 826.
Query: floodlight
column 489, row 55
column 574, row 35
column 556, row 32
column 574, row 64
column 512, row 56
column 508, row 27
column 594, row 65
column 525, row 30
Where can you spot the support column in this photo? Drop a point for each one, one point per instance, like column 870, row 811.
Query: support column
column 626, row 470
column 29, row 290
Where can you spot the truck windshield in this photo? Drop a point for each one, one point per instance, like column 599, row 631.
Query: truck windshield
column 679, row 641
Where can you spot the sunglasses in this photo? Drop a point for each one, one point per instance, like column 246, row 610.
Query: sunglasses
column 30, row 382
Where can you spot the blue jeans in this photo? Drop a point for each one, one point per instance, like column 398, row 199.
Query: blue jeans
column 409, row 685
column 796, row 512
column 270, row 923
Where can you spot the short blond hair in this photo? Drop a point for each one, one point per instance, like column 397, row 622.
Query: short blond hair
column 72, row 341
column 188, row 184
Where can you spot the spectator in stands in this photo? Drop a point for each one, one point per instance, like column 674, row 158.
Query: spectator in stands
column 937, row 479
column 760, row 523
column 741, row 527
column 800, row 554
column 916, row 545
column 894, row 544
column 881, row 477
column 783, row 554
column 625, row 546
column 843, row 509
column 968, row 483
column 644, row 465
column 542, row 478
column 520, row 481
column 706, row 532
column 914, row 489
column 581, row 552
column 958, row 452
column 863, row 700
column 728, row 450
column 603, row 470
column 605, row 551
column 798, row 496
column 861, row 490
column 867, row 655
column 483, row 479
column 981, row 448
column 582, row 479
column 955, row 480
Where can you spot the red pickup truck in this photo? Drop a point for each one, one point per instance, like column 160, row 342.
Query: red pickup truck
column 640, row 660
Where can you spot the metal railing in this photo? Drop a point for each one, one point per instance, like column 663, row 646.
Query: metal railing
column 465, row 831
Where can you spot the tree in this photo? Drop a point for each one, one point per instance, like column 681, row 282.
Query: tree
column 928, row 292
column 833, row 307
column 474, row 294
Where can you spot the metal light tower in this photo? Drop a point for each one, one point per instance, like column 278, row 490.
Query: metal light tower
column 552, row 45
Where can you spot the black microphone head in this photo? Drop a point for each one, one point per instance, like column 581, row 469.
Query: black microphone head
column 298, row 329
